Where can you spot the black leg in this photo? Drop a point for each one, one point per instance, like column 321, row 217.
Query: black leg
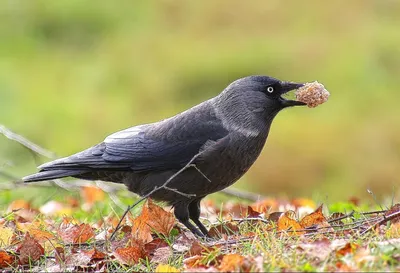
column 181, row 212
column 194, row 214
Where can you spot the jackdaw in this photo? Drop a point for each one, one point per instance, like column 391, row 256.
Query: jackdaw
column 223, row 136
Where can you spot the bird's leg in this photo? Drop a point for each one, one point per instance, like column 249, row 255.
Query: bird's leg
column 181, row 212
column 194, row 214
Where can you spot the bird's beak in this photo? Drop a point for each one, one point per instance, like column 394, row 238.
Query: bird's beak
column 289, row 86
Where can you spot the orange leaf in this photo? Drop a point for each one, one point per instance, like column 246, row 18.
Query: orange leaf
column 29, row 250
column 152, row 218
column 231, row 263
column 223, row 229
column 6, row 260
column 130, row 255
column 348, row 248
column 94, row 254
column 286, row 223
column 75, row 234
column 317, row 219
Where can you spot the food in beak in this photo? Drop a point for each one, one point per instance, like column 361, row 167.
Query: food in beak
column 313, row 94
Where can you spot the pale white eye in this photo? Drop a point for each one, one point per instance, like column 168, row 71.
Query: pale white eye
column 270, row 89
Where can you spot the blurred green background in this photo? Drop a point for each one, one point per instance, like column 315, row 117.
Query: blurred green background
column 72, row 72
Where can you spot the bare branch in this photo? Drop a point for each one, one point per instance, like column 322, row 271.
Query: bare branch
column 163, row 186
column 25, row 142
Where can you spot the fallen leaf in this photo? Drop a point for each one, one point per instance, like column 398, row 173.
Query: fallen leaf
column 197, row 249
column 274, row 216
column 6, row 235
column 316, row 219
column 394, row 209
column 75, row 234
column 152, row 246
column 193, row 261
column 162, row 255
column 320, row 249
column 251, row 213
column 6, row 260
column 29, row 250
column 286, row 222
column 94, row 254
column 166, row 268
column 223, row 229
column 232, row 262
column 130, row 255
column 347, row 249
column 152, row 219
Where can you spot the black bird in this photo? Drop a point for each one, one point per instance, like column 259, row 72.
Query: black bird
column 223, row 136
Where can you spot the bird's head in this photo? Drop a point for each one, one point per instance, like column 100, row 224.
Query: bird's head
column 252, row 102
column 267, row 90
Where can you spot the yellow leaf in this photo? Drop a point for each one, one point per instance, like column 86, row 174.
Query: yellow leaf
column 6, row 234
column 166, row 268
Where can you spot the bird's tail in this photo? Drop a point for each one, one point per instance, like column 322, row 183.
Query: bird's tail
column 51, row 174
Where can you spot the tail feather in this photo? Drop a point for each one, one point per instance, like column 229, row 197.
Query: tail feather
column 51, row 174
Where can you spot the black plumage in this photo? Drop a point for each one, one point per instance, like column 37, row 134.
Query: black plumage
column 225, row 135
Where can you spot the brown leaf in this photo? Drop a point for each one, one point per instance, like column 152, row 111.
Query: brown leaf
column 197, row 249
column 152, row 218
column 223, row 229
column 394, row 209
column 251, row 213
column 130, row 255
column 29, row 250
column 75, row 234
column 348, row 248
column 274, row 216
column 152, row 246
column 6, row 260
column 287, row 223
column 162, row 255
column 320, row 249
column 59, row 254
column 316, row 219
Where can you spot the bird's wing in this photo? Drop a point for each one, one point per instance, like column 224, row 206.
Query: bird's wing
column 146, row 147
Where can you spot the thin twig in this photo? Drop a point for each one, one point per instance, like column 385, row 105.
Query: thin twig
column 385, row 219
column 25, row 142
column 156, row 188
